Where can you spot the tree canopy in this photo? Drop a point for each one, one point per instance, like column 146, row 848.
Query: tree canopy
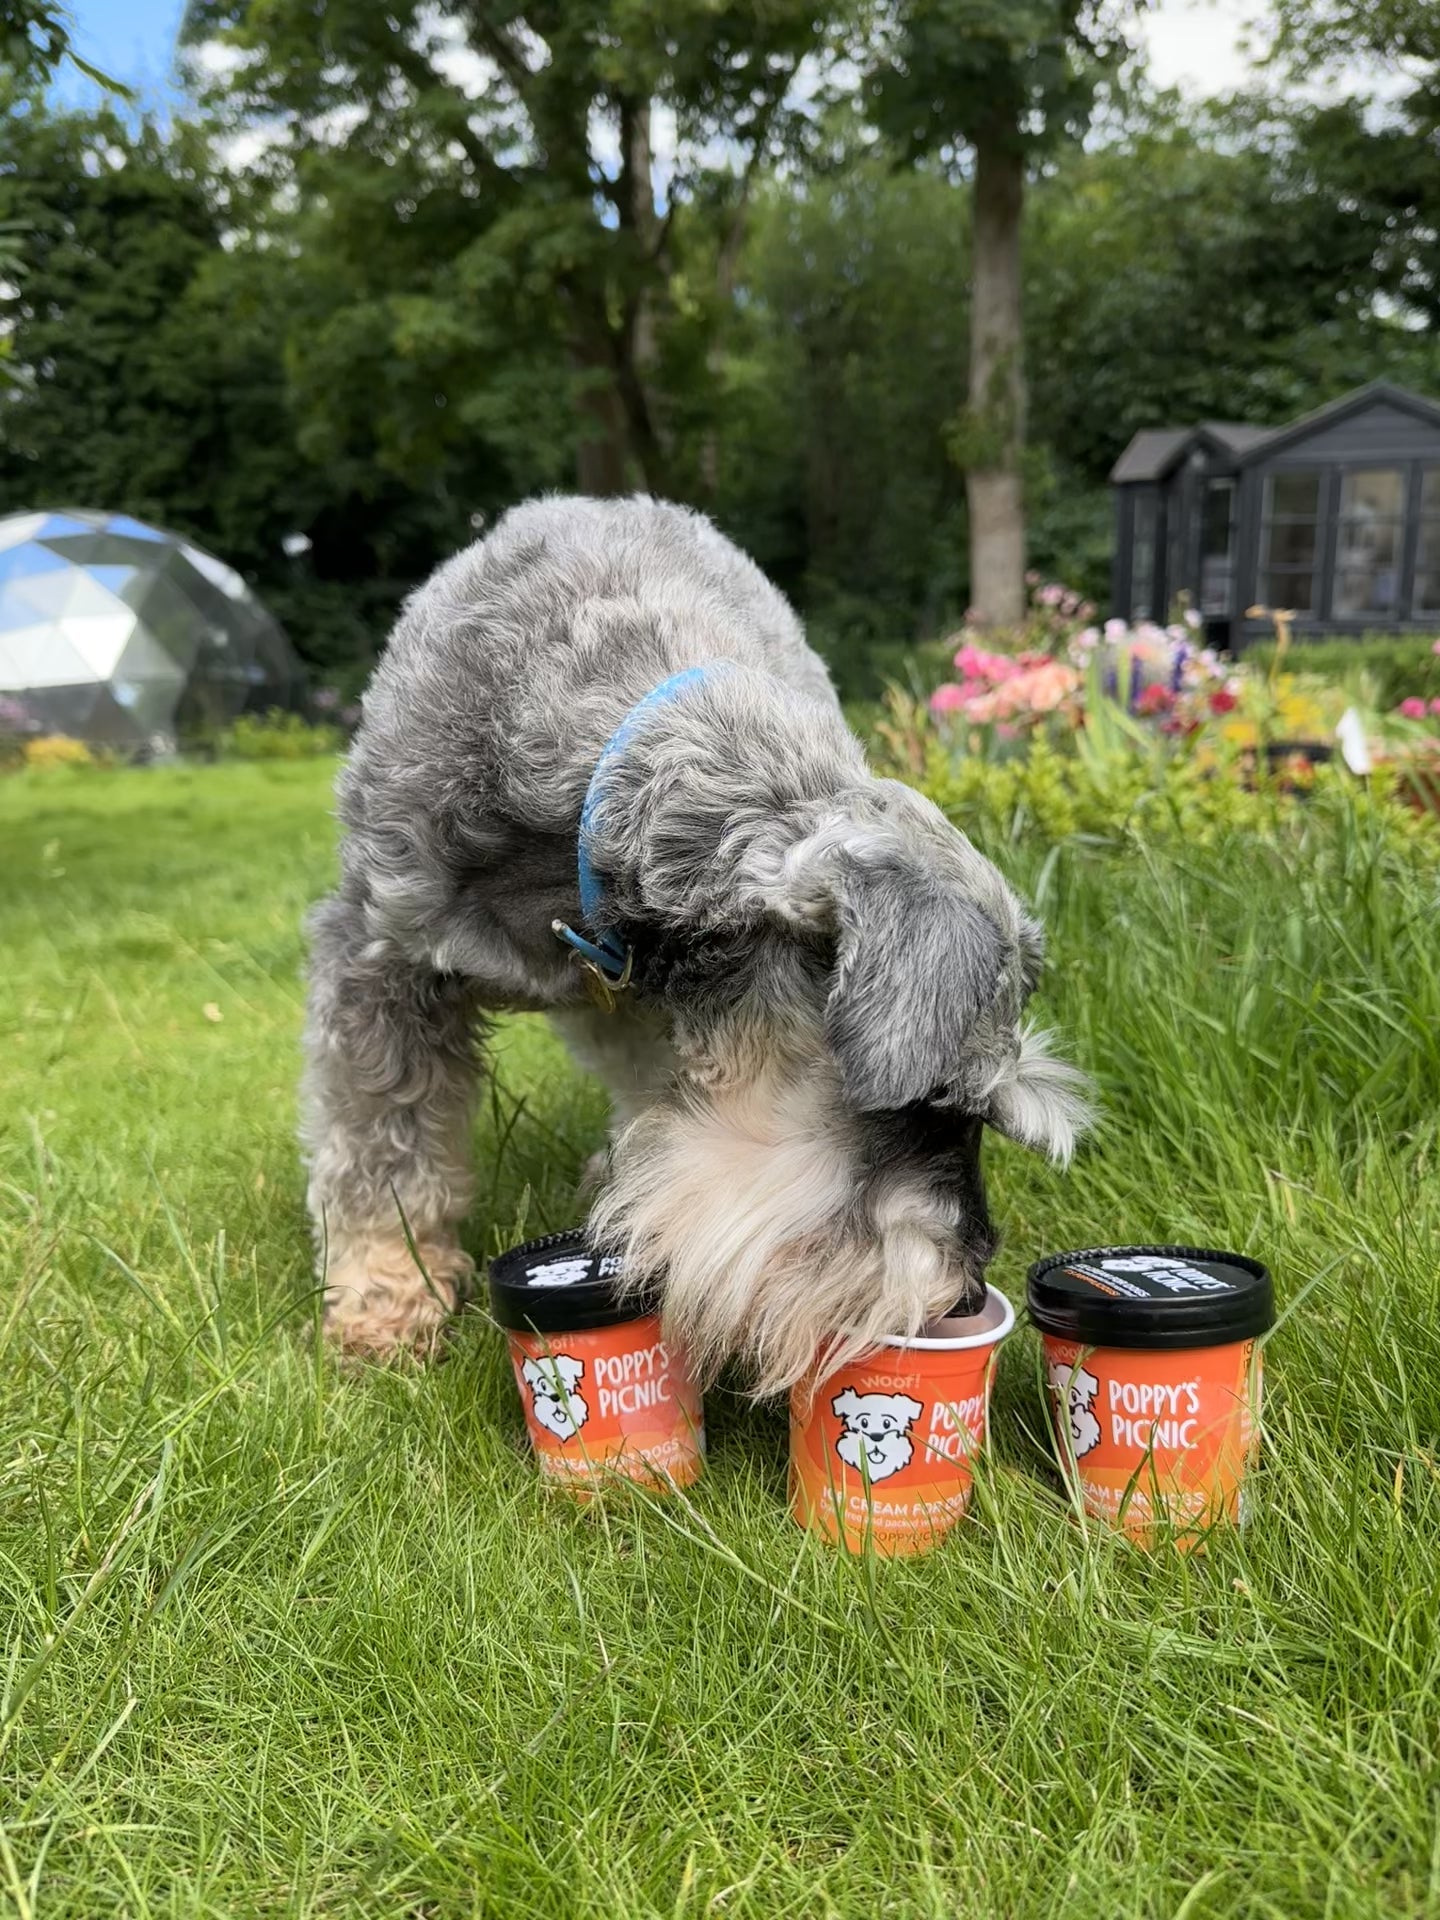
column 396, row 272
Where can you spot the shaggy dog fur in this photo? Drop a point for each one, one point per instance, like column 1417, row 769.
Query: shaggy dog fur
column 829, row 982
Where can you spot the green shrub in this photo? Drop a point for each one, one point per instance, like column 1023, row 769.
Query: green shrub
column 1111, row 784
column 1396, row 665
column 277, row 736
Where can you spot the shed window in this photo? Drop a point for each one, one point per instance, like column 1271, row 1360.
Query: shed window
column 1142, row 557
column 1370, row 539
column 1289, row 540
column 1217, row 547
column 1427, row 552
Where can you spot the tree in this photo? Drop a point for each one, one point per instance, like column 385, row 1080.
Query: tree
column 1231, row 262
column 546, row 147
column 36, row 40
column 154, row 380
column 839, row 376
column 995, row 82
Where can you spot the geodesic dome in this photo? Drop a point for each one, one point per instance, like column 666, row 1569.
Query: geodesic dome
column 122, row 635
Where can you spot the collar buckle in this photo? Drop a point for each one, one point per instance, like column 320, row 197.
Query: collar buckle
column 606, row 963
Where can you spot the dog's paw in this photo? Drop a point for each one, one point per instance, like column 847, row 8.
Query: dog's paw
column 379, row 1305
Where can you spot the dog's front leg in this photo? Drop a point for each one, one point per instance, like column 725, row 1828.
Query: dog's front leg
column 629, row 1052
column 391, row 1070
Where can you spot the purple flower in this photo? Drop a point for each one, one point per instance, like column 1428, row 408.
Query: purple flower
column 1115, row 631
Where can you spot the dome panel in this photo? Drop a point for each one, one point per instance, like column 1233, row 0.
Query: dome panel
column 136, row 529
column 41, row 657
column 18, row 527
column 99, row 639
column 27, row 559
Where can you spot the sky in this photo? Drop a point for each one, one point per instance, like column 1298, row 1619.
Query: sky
column 1194, row 44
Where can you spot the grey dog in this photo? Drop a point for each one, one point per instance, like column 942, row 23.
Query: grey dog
column 829, row 980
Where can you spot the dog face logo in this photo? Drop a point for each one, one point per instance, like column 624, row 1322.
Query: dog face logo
column 555, row 1396
column 1078, row 1386
column 558, row 1273
column 877, row 1430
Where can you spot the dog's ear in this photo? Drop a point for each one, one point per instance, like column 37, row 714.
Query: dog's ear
column 916, row 963
column 912, row 1409
column 1041, row 1101
column 844, row 1404
column 569, row 1370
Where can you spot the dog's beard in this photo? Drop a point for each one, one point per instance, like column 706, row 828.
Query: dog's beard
column 744, row 1198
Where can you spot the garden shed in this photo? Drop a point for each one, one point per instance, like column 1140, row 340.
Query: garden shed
column 1335, row 517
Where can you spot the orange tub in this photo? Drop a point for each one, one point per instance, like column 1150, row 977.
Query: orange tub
column 606, row 1396
column 1153, row 1367
column 882, row 1451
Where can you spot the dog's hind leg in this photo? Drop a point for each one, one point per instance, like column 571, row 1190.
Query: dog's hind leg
column 390, row 1078
column 629, row 1052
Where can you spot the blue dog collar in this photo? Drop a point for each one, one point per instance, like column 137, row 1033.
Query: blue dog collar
column 605, row 954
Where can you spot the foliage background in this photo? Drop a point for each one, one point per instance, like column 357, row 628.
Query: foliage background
column 277, row 314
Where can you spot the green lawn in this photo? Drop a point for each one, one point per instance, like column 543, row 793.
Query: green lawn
column 280, row 1640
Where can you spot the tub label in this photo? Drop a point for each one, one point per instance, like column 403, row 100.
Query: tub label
column 883, row 1452
column 1155, row 1436
column 609, row 1400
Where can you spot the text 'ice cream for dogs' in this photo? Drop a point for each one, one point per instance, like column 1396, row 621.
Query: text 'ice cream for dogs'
column 605, row 1394
column 1152, row 1361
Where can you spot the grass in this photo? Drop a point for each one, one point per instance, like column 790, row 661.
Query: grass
column 279, row 1640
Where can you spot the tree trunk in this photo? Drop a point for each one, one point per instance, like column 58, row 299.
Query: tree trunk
column 600, row 463
column 995, row 430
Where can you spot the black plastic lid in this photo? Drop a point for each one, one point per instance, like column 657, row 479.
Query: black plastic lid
column 1151, row 1298
column 559, row 1284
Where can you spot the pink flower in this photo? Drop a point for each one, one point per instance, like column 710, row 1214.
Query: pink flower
column 1223, row 700
column 1413, row 708
column 1115, row 631
column 947, row 698
column 1087, row 638
column 1032, row 579
column 1435, row 706
column 975, row 664
column 1085, row 610
column 1435, row 647
column 1051, row 596
column 1155, row 700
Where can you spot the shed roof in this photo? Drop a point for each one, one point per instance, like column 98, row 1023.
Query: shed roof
column 1155, row 450
column 1152, row 451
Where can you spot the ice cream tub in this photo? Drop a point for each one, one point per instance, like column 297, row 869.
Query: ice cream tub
column 1153, row 1371
column 882, row 1450
column 606, row 1395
